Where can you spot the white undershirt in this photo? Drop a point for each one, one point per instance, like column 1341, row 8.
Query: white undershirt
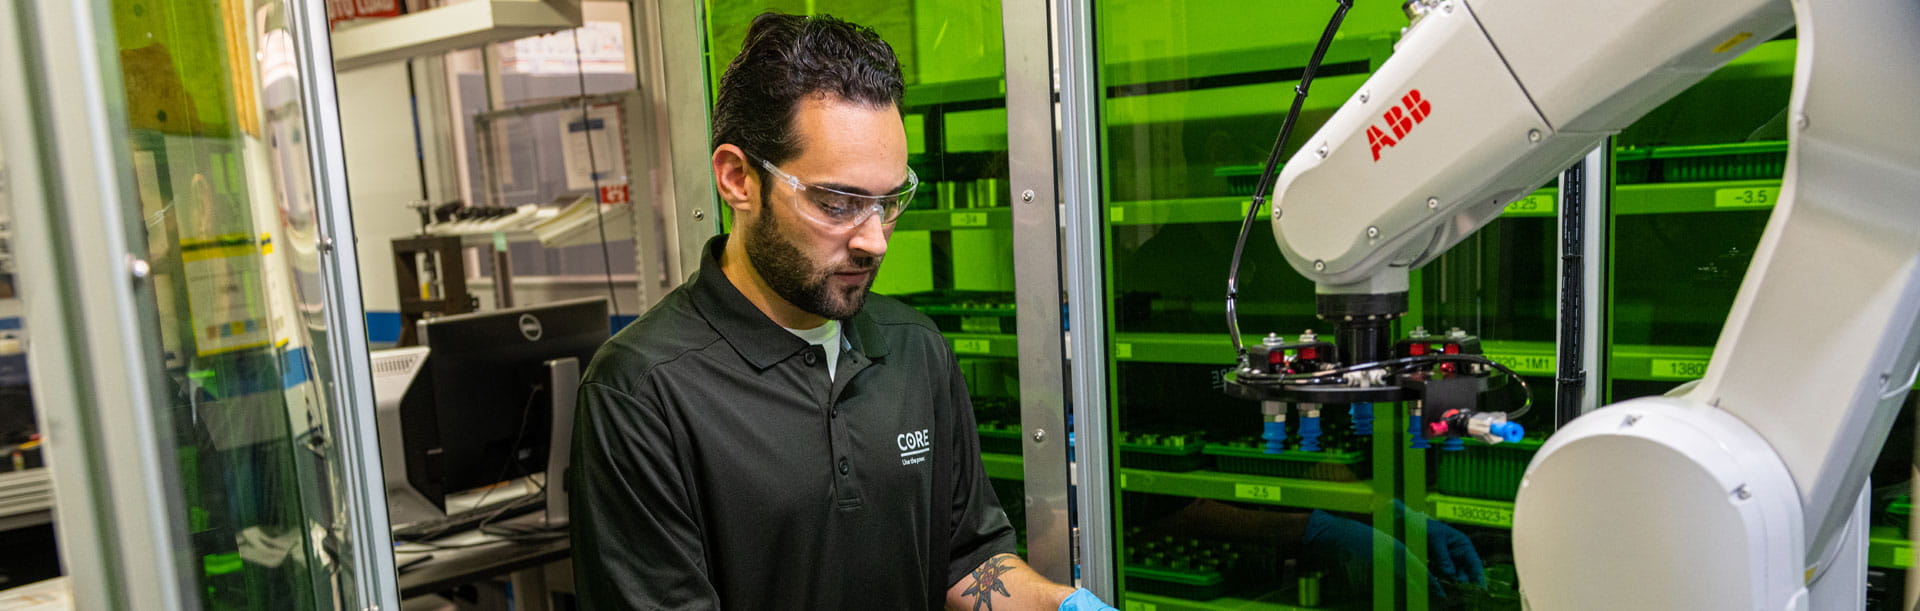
column 826, row 336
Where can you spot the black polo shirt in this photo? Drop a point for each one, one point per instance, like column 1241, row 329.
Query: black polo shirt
column 715, row 464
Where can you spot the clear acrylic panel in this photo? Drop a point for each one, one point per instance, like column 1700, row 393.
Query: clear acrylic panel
column 1352, row 514
column 222, row 166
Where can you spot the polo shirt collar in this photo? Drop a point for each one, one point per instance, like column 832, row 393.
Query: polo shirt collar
column 751, row 333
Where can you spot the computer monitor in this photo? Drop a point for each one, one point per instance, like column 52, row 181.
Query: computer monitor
column 488, row 400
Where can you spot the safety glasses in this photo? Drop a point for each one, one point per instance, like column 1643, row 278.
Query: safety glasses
column 840, row 209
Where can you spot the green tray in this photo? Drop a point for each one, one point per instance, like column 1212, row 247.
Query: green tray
column 999, row 439
column 1332, row 466
column 1486, row 472
column 1162, row 452
column 1190, row 584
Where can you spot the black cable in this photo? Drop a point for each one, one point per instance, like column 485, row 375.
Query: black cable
column 593, row 170
column 1267, row 176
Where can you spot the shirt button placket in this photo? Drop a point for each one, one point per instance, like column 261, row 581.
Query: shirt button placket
column 844, row 467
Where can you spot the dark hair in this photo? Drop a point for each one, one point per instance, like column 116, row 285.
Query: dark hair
column 787, row 58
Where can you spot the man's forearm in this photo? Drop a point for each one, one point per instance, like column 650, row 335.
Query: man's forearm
column 1005, row 583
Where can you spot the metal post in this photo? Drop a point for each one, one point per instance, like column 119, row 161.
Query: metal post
column 673, row 66
column 1036, row 254
column 368, row 543
column 1079, row 163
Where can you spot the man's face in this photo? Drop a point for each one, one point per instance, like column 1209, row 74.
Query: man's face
column 818, row 268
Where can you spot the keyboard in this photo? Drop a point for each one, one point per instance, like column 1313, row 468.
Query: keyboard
column 470, row 519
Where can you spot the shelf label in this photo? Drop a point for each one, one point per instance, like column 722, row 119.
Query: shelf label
column 1257, row 492
column 1134, row 605
column 1685, row 369
column 1536, row 364
column 1533, row 204
column 1123, row 350
column 1116, row 214
column 972, row 346
column 1750, row 197
column 1903, row 557
column 1475, row 514
column 969, row 219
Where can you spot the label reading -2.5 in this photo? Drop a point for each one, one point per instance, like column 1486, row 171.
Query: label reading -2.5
column 1257, row 492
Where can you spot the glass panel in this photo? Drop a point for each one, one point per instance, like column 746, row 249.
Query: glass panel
column 951, row 255
column 1194, row 94
column 220, row 162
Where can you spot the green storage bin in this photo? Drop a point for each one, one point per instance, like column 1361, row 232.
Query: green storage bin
column 1489, row 472
column 1192, row 568
column 1326, row 465
column 1170, row 452
column 1241, row 179
column 1190, row 584
column 999, row 438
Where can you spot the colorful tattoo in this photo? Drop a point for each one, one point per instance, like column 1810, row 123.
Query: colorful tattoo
column 986, row 581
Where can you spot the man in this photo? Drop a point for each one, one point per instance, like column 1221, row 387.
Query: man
column 770, row 435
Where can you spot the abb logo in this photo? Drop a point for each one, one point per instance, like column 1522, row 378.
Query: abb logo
column 1400, row 119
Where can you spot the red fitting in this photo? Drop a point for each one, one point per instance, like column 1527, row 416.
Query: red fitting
column 1417, row 349
column 1310, row 353
column 1453, row 349
column 1436, row 429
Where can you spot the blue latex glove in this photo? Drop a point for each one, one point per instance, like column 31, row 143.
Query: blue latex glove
column 1452, row 554
column 1083, row 600
column 1345, row 547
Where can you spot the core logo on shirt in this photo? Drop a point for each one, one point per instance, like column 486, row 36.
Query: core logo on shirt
column 913, row 446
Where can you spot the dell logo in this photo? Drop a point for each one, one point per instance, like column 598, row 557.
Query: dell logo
column 530, row 327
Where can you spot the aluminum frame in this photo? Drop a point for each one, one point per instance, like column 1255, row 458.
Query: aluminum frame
column 1084, row 270
column 120, row 523
column 116, row 540
column 1056, row 236
column 351, row 401
column 672, row 61
column 1037, row 287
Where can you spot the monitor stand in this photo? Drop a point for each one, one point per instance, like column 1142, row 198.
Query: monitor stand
column 563, row 376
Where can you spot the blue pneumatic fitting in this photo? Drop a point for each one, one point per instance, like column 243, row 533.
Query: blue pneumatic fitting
column 1309, row 433
column 1419, row 440
column 1509, row 431
column 1276, row 436
column 1454, row 444
column 1362, row 414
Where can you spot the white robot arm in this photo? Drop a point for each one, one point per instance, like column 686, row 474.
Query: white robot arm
column 1738, row 493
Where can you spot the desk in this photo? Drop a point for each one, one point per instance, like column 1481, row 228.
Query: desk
column 453, row 567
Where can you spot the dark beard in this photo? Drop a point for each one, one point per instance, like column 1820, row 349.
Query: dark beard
column 795, row 278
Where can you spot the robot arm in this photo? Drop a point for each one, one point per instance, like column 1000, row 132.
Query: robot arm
column 1480, row 104
column 1738, row 493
